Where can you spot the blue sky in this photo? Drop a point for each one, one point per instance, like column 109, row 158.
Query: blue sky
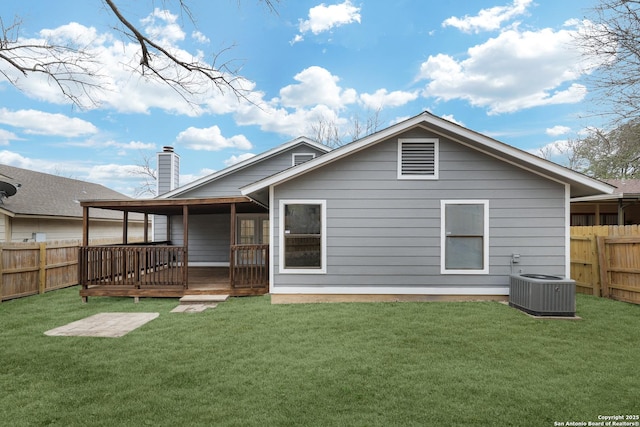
column 505, row 68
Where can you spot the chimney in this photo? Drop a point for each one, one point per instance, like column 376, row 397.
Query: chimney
column 168, row 170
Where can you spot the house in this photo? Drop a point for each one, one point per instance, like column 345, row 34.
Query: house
column 622, row 207
column 47, row 207
column 424, row 209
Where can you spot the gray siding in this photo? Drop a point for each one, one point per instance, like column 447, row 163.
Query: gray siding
column 382, row 231
column 208, row 237
column 229, row 185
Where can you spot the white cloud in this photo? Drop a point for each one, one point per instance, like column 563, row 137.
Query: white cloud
column 200, row 37
column 6, row 137
column 211, row 139
column 382, row 98
column 511, row 72
column 190, row 177
column 41, row 123
column 488, row 19
column 317, row 86
column 162, row 25
column 558, row 130
column 324, row 18
column 449, row 117
column 237, row 159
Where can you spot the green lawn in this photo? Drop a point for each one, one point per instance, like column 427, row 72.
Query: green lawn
column 248, row 362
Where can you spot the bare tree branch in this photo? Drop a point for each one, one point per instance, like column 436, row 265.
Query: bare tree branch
column 73, row 68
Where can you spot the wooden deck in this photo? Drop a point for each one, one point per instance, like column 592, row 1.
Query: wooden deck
column 202, row 281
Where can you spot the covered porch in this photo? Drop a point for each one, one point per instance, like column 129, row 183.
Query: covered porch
column 162, row 268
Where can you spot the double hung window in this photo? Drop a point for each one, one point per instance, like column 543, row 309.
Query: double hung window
column 465, row 236
column 303, row 236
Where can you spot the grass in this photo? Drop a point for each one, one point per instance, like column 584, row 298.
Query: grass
column 252, row 363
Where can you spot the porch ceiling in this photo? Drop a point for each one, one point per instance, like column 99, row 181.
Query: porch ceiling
column 175, row 206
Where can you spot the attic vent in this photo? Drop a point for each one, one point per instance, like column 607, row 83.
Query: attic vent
column 418, row 158
column 299, row 158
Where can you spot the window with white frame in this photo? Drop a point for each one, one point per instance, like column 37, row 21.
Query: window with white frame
column 464, row 236
column 299, row 158
column 303, row 236
column 418, row 158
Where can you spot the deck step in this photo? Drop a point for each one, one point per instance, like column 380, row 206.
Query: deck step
column 203, row 299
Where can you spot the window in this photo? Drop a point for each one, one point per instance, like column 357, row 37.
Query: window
column 253, row 229
column 465, row 237
column 302, row 236
column 299, row 158
column 418, row 158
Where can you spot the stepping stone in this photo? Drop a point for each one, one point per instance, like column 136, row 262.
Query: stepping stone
column 106, row 325
column 193, row 308
column 203, row 299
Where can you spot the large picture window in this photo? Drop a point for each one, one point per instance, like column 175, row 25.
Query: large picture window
column 465, row 236
column 302, row 236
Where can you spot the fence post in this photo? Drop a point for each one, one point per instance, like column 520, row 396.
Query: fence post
column 42, row 269
column 604, row 266
column 1, row 267
column 595, row 266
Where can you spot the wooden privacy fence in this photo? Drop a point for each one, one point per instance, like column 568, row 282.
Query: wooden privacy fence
column 35, row 268
column 32, row 268
column 605, row 261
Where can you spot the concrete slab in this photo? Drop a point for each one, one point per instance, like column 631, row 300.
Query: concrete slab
column 203, row 299
column 106, row 325
column 193, row 308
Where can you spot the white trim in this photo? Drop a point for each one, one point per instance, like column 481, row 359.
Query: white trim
column 294, row 155
column 485, row 240
column 323, row 236
column 244, row 164
column 391, row 290
column 567, row 231
column 601, row 197
column 436, row 157
column 271, row 238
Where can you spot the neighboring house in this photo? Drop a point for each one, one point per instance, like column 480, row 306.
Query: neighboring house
column 423, row 209
column 47, row 207
column 620, row 208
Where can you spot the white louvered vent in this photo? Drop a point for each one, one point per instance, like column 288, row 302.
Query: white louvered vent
column 299, row 158
column 418, row 159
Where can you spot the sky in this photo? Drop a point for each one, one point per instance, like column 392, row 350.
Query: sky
column 508, row 69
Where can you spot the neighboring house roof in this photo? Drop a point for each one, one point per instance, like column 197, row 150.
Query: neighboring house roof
column 245, row 163
column 41, row 194
column 580, row 184
column 625, row 189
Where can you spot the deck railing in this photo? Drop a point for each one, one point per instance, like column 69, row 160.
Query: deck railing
column 137, row 266
column 250, row 266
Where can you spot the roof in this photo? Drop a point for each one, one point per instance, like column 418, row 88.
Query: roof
column 243, row 164
column 580, row 184
column 41, row 194
column 625, row 189
column 169, row 207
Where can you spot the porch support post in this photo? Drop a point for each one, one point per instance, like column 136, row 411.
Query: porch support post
column 125, row 227
column 85, row 226
column 232, row 243
column 145, row 232
column 185, row 227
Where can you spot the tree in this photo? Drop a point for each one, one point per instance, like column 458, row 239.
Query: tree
column 328, row 131
column 611, row 155
column 74, row 70
column 611, row 42
column 148, row 176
